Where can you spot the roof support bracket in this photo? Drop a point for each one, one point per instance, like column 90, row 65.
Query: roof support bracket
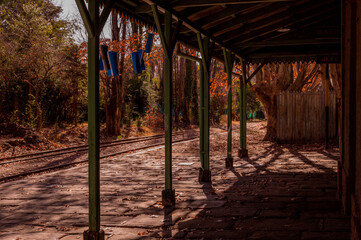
column 84, row 13
column 105, row 14
column 168, row 46
column 160, row 30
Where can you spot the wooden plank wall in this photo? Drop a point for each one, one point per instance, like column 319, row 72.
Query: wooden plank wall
column 301, row 116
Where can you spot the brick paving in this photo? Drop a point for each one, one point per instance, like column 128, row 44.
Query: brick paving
column 280, row 192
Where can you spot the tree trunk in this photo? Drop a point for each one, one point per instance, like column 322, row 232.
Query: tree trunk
column 194, row 98
column 266, row 91
column 39, row 112
column 176, row 91
column 187, row 91
column 76, row 103
column 271, row 110
column 161, row 84
column 114, row 108
column 16, row 106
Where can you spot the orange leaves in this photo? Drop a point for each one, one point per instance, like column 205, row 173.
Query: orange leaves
column 144, row 233
column 218, row 85
column 153, row 118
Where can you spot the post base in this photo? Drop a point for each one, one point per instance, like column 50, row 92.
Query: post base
column 242, row 153
column 93, row 235
column 168, row 198
column 229, row 162
column 204, row 175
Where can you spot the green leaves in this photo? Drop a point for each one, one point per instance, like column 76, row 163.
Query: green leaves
column 37, row 58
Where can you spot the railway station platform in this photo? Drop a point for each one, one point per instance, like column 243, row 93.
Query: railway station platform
column 280, row 192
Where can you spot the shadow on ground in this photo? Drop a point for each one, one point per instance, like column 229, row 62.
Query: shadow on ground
column 280, row 194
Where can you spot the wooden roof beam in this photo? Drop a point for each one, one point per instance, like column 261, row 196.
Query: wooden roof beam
column 292, row 42
column 234, row 38
column 240, row 20
column 143, row 8
column 308, row 30
column 301, row 25
column 292, row 54
column 197, row 3
column 232, row 10
column 191, row 25
column 278, row 20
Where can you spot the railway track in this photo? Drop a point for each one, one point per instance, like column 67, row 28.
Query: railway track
column 34, row 159
column 79, row 148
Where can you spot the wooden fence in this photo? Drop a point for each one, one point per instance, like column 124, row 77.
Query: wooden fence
column 301, row 116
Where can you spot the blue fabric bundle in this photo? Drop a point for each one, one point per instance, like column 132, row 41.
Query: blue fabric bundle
column 148, row 45
column 101, row 65
column 136, row 63
column 113, row 71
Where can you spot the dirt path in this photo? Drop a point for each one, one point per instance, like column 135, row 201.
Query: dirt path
column 280, row 192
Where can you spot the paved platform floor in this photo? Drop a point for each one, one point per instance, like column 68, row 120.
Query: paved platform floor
column 278, row 193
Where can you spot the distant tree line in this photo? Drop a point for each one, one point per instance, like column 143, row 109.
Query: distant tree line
column 41, row 76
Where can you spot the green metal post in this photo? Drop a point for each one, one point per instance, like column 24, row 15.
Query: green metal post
column 93, row 25
column 242, row 152
column 206, row 101
column 244, row 116
column 201, row 114
column 228, row 62
column 168, row 194
column 204, row 174
column 327, row 105
column 93, row 121
column 168, row 88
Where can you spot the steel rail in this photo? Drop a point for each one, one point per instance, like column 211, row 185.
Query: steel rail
column 8, row 178
column 78, row 148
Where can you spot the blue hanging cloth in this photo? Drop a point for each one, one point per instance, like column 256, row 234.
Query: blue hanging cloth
column 136, row 63
column 101, row 65
column 141, row 61
column 104, row 56
column 148, row 45
column 113, row 71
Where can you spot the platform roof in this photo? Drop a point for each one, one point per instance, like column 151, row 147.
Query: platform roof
column 256, row 30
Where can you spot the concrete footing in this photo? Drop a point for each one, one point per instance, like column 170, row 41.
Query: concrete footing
column 242, row 153
column 93, row 235
column 204, row 175
column 168, row 198
column 229, row 162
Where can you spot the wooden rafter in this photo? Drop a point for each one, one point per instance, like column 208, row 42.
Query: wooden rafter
column 279, row 20
column 295, row 29
column 234, row 38
column 197, row 3
column 300, row 31
column 89, row 25
column 247, row 28
column 291, row 42
column 105, row 14
column 241, row 19
column 194, row 27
